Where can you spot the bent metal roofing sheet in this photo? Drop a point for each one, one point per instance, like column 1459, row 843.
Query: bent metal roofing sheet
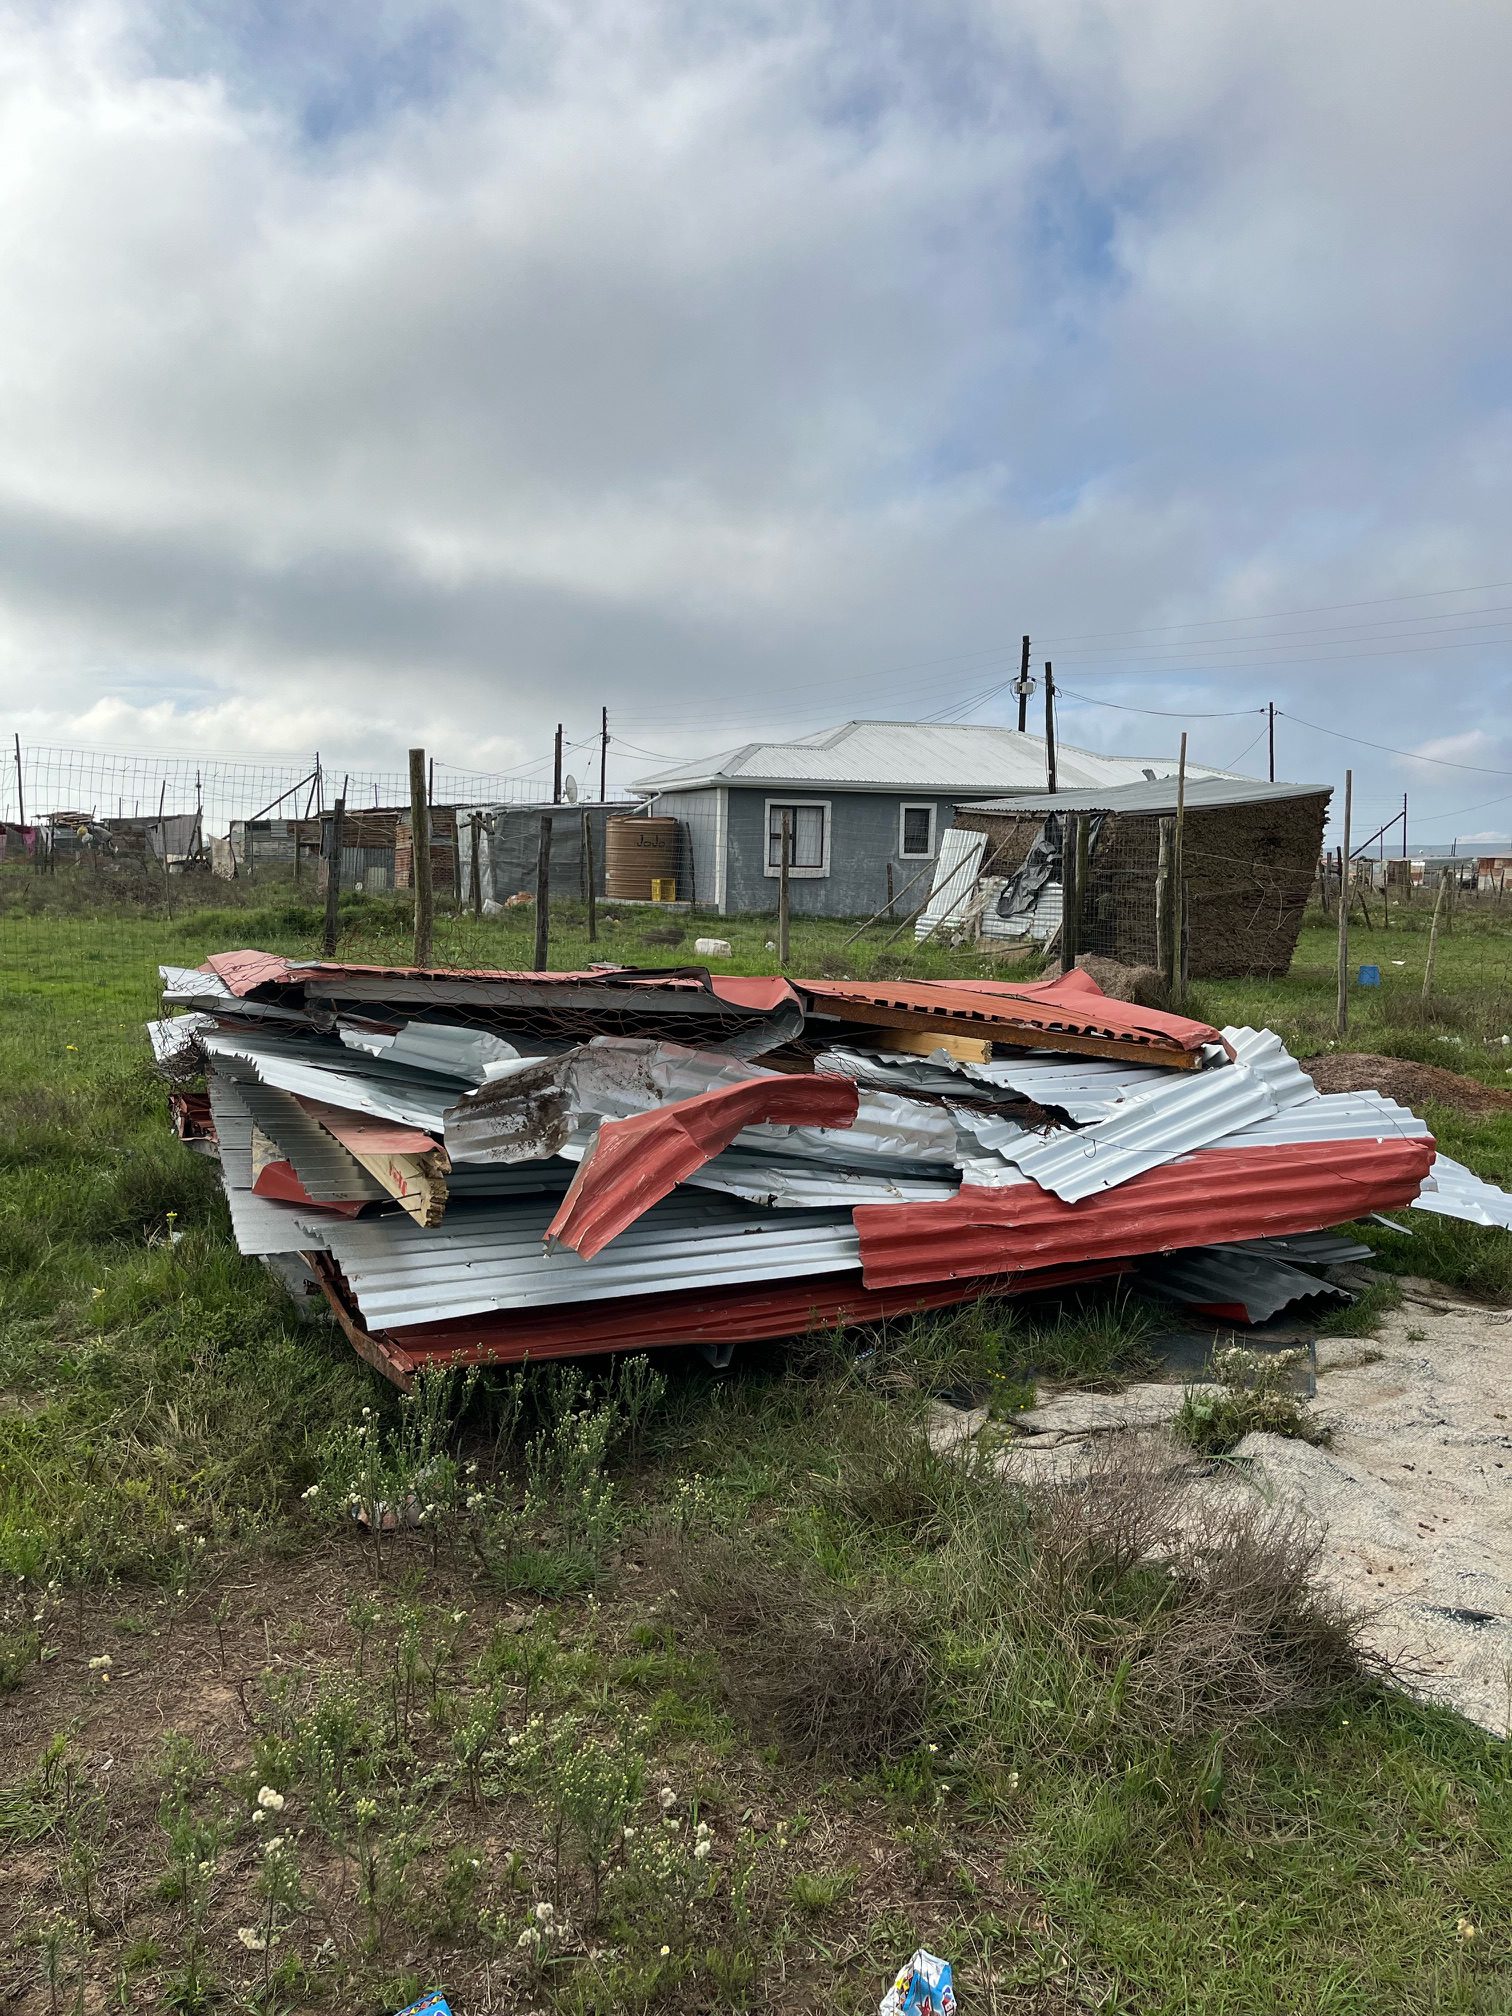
column 1218, row 1195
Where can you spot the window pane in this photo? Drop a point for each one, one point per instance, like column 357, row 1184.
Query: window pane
column 916, row 824
column 805, row 836
column 808, row 837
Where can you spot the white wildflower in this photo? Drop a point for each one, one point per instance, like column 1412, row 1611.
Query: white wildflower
column 701, row 1850
column 313, row 1492
column 270, row 1800
column 666, row 1952
column 526, row 1939
column 545, row 1913
column 252, row 1939
column 666, row 1798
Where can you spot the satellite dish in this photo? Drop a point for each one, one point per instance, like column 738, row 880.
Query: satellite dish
column 570, row 790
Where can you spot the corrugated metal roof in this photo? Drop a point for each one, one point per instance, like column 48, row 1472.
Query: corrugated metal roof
column 1205, row 793
column 1452, row 1191
column 1147, row 1127
column 1263, row 1052
column 1307, row 1249
column 467, row 1055
column 1217, row 1196
column 933, row 757
column 1087, row 1088
column 797, row 1186
column 364, row 1092
column 1229, row 1281
column 487, row 1257
column 704, row 1316
column 328, row 1173
column 261, row 1225
column 1334, row 1116
column 955, row 882
column 638, row 1160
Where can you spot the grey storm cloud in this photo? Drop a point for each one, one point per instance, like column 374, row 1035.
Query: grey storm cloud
column 440, row 370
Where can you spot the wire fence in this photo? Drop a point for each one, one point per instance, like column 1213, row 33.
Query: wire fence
column 114, row 862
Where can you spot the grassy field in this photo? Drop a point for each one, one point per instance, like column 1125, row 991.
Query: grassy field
column 689, row 1692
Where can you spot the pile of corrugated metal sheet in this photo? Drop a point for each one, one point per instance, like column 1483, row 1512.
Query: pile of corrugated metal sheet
column 488, row 1166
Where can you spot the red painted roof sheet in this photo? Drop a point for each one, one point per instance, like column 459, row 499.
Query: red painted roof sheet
column 703, row 1316
column 636, row 1162
column 1216, row 1195
column 365, row 1134
column 1073, row 1004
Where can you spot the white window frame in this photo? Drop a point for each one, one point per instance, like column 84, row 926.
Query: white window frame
column 774, row 873
column 918, row 805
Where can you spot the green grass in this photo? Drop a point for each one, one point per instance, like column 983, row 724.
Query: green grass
column 909, row 1704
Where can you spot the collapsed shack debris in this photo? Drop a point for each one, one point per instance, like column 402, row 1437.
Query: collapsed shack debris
column 489, row 1166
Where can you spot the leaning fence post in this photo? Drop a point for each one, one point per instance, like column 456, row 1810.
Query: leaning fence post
column 1433, row 935
column 543, row 895
column 476, row 823
column 1163, row 899
column 782, row 889
column 420, row 859
column 590, row 894
column 1344, row 907
column 333, row 877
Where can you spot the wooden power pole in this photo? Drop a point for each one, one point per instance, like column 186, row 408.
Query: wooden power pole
column 603, row 754
column 1023, row 687
column 1270, row 736
column 1049, row 726
column 556, row 767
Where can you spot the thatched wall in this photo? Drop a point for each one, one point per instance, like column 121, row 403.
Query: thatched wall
column 1248, row 870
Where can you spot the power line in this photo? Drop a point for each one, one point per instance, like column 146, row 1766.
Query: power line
column 1164, row 713
column 1271, row 615
column 1411, row 755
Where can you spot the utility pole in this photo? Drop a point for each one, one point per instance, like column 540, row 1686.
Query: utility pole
column 1404, row 825
column 1023, row 688
column 556, row 767
column 1346, row 877
column 1178, row 885
column 1270, row 733
column 603, row 754
column 1049, row 726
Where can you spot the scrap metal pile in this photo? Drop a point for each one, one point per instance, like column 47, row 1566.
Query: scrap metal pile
column 485, row 1166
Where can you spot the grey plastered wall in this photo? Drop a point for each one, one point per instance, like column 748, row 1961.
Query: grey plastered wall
column 863, row 844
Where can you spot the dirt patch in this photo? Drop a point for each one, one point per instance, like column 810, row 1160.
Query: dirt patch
column 1414, row 1085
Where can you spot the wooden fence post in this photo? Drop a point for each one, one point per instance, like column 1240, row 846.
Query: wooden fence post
column 1163, row 899
column 476, row 823
column 420, row 858
column 889, row 889
column 333, row 878
column 589, row 876
column 1070, row 891
column 1344, row 908
column 543, row 896
column 784, row 866
column 1178, row 886
column 1433, row 935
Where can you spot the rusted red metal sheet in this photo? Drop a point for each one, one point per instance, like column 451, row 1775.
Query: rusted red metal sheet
column 364, row 1134
column 1052, row 1014
column 244, row 972
column 694, row 1316
column 637, row 1161
column 1216, row 1195
column 277, row 1179
column 193, row 1121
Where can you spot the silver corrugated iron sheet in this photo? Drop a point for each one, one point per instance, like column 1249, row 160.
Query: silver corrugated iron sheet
column 1333, row 1116
column 1085, row 1087
column 793, row 1187
column 1152, row 795
column 1305, row 1249
column 262, row 1225
column 1263, row 1052
column 440, row 1048
column 1453, row 1191
column 386, row 1098
column 1157, row 1124
column 1228, row 1276
column 492, row 1257
column 328, row 1172
column 953, row 892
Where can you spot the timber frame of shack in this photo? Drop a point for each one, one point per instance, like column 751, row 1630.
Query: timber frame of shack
column 1249, row 854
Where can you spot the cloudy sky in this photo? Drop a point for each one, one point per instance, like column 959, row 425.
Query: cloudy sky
column 391, row 373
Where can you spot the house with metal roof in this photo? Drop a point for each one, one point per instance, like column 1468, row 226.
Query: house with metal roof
column 866, row 805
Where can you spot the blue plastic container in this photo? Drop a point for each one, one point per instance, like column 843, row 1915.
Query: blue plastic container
column 1370, row 976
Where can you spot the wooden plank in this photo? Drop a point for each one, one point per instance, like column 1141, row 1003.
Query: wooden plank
column 1072, row 1043
column 417, row 1182
column 966, row 1049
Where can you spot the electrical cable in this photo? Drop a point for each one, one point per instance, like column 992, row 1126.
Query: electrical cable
column 1411, row 755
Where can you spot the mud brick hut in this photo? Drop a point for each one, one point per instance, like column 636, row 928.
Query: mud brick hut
column 1249, row 853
